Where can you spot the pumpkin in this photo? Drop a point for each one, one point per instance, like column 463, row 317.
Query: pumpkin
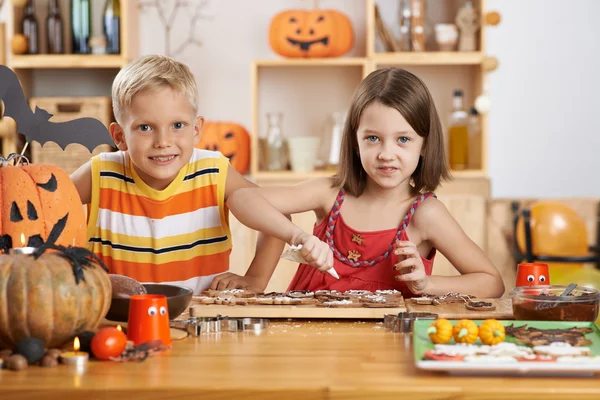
column 465, row 331
column 491, row 332
column 47, row 300
column 440, row 331
column 34, row 199
column 231, row 139
column 311, row 33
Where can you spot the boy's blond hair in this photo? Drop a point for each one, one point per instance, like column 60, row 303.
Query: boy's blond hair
column 148, row 73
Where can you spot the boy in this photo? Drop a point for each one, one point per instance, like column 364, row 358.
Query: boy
column 158, row 207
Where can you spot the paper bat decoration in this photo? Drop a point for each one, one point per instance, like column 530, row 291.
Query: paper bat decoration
column 88, row 132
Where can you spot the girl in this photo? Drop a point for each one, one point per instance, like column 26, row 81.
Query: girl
column 386, row 224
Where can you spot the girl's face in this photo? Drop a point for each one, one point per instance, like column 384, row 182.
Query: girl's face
column 389, row 147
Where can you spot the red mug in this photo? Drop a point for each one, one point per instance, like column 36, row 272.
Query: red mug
column 148, row 319
column 532, row 274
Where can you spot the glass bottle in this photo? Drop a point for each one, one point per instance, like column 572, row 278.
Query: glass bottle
column 31, row 28
column 275, row 143
column 112, row 26
column 335, row 141
column 81, row 26
column 458, row 133
column 474, row 139
column 54, row 29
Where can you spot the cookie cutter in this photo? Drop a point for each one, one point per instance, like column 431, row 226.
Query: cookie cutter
column 196, row 326
column 403, row 322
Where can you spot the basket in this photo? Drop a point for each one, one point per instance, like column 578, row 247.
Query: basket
column 66, row 109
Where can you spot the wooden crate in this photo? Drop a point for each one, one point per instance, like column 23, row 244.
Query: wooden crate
column 66, row 109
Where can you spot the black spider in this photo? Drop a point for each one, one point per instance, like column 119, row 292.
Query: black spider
column 79, row 257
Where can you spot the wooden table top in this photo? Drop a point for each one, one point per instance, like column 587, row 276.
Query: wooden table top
column 292, row 360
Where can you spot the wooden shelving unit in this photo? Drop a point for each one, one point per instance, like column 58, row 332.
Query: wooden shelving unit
column 27, row 66
column 442, row 71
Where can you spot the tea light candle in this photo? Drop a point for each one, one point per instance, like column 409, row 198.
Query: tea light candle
column 23, row 249
column 75, row 357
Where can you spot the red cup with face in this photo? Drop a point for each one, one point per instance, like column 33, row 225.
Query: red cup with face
column 148, row 319
column 532, row 274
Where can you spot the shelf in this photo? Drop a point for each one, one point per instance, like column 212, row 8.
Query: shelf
column 311, row 62
column 290, row 175
column 468, row 173
column 67, row 61
column 429, row 58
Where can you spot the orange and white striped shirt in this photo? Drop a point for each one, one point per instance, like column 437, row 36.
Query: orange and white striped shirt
column 177, row 235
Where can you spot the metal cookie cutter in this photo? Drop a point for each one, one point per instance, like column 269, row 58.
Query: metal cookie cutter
column 403, row 322
column 195, row 326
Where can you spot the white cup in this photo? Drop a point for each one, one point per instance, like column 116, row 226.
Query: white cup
column 446, row 36
column 303, row 152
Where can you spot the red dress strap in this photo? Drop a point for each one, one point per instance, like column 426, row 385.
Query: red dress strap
column 333, row 218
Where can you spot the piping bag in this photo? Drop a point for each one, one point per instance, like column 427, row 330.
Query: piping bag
column 293, row 254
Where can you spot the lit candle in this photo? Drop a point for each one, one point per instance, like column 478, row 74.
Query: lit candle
column 22, row 249
column 75, row 357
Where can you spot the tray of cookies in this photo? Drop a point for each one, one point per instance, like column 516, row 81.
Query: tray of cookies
column 507, row 347
column 358, row 304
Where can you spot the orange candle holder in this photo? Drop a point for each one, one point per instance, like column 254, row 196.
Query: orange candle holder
column 148, row 319
column 532, row 274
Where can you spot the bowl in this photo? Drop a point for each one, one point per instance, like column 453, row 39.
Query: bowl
column 178, row 298
column 545, row 303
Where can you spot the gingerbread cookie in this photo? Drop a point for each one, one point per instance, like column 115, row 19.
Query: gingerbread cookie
column 339, row 304
column 480, row 306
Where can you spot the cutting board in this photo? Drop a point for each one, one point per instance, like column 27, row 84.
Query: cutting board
column 459, row 311
column 286, row 311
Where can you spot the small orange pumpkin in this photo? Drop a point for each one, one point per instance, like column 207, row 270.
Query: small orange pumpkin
column 231, row 139
column 311, row 33
column 34, row 199
column 491, row 332
column 465, row 331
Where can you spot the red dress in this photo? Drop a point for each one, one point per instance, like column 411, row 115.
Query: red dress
column 373, row 269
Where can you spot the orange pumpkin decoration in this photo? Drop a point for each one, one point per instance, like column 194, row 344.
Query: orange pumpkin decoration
column 34, row 199
column 311, row 33
column 231, row 139
column 46, row 299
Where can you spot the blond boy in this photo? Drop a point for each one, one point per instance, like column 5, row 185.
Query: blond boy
column 158, row 207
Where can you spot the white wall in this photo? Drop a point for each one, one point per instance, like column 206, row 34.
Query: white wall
column 545, row 131
column 544, row 134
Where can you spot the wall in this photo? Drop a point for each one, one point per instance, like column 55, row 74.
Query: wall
column 544, row 137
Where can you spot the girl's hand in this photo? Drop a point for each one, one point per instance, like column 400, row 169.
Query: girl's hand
column 229, row 280
column 316, row 252
column 410, row 265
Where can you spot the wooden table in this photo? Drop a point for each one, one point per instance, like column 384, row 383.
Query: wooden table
column 292, row 360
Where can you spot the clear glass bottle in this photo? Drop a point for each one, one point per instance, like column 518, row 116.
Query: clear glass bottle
column 335, row 140
column 458, row 133
column 54, row 29
column 30, row 28
column 81, row 26
column 112, row 26
column 275, row 143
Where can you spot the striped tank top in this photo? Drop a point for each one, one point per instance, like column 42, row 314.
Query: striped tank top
column 177, row 235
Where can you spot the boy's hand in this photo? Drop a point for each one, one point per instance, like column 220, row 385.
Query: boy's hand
column 229, row 280
column 410, row 265
column 316, row 252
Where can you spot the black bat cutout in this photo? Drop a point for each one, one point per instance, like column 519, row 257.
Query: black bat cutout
column 88, row 132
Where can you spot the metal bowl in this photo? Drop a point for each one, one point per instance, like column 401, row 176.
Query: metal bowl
column 178, row 299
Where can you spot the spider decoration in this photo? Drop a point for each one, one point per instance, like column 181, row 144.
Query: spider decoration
column 141, row 352
column 79, row 257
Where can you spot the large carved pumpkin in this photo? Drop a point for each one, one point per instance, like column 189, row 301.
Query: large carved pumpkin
column 34, row 198
column 311, row 33
column 231, row 139
column 42, row 298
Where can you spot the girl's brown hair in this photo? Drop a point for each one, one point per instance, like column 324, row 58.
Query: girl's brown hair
column 403, row 91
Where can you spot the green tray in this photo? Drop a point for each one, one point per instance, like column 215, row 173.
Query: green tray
column 422, row 343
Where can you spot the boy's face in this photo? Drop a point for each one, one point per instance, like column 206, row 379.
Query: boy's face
column 159, row 130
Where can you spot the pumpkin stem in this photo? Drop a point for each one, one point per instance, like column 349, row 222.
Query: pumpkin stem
column 432, row 329
column 497, row 333
column 463, row 332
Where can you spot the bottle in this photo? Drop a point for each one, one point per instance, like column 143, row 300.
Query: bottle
column 335, row 142
column 54, row 29
column 31, row 28
column 474, row 139
column 275, row 143
column 81, row 26
column 112, row 26
column 458, row 133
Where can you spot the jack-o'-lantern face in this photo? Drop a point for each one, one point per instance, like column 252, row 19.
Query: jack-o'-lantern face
column 311, row 33
column 231, row 139
column 35, row 199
